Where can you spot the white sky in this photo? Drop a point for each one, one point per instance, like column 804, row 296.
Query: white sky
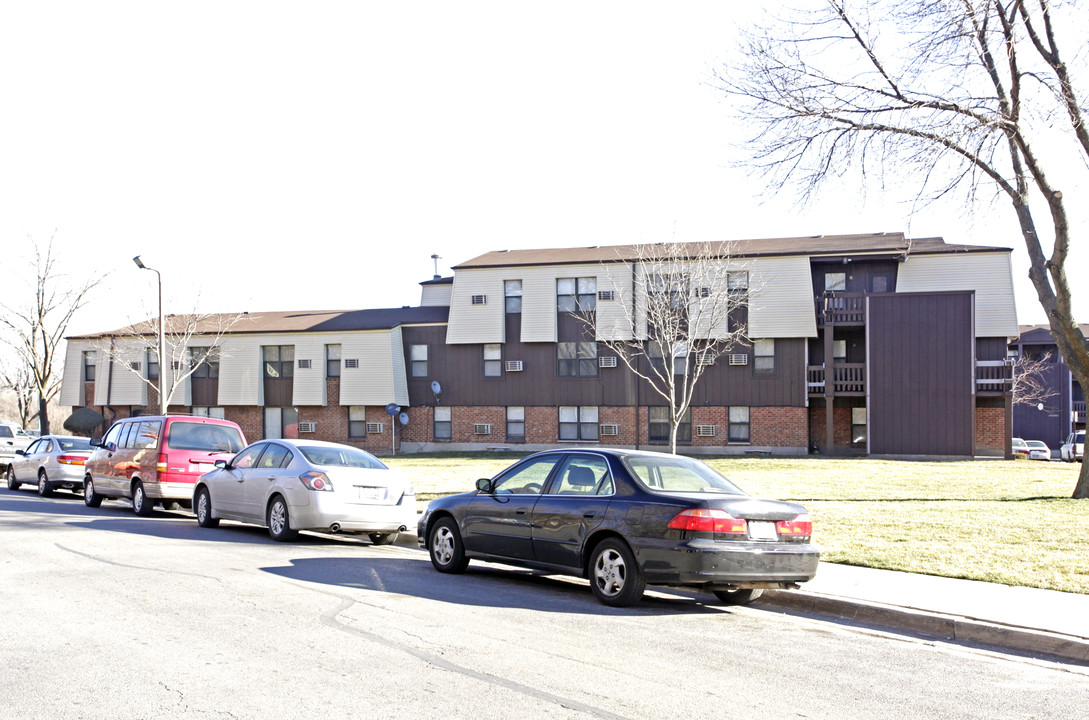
column 313, row 155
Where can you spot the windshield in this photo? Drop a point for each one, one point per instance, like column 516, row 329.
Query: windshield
column 678, row 474
column 340, row 456
column 204, row 436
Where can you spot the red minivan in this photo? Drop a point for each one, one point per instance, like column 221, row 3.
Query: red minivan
column 157, row 459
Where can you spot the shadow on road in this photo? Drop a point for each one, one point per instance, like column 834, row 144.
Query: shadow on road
column 481, row 585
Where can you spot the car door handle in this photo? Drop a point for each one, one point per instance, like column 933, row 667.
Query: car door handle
column 520, row 511
column 589, row 515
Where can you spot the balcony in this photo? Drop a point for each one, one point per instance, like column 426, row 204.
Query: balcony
column 1079, row 411
column 994, row 377
column 847, row 379
column 841, row 309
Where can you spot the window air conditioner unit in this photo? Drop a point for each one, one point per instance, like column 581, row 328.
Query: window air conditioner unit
column 706, row 430
column 308, row 427
column 703, row 292
column 480, row 299
column 304, row 365
column 606, row 294
column 606, row 361
column 351, row 363
column 610, row 429
column 375, row 427
column 739, row 359
column 135, row 365
column 706, row 359
column 514, row 365
column 482, row 429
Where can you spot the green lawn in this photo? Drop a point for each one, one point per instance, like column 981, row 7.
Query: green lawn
column 1010, row 522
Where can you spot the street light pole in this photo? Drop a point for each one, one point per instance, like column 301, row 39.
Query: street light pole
column 162, row 337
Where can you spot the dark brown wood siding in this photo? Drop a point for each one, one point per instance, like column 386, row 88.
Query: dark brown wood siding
column 921, row 374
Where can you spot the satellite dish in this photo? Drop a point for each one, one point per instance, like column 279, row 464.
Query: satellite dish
column 403, row 417
column 393, row 409
column 435, row 387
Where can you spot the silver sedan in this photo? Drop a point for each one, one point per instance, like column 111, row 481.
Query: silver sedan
column 50, row 462
column 293, row 485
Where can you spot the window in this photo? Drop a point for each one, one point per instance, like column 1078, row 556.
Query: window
column 658, row 428
column 209, row 366
column 526, row 479
column 357, row 421
column 88, row 365
column 279, row 362
column 881, row 283
column 839, row 351
column 577, row 359
column 835, row 282
column 763, row 357
column 281, row 422
column 739, row 425
column 512, row 295
column 516, row 424
column 212, row 412
column 417, row 356
column 147, row 436
column 493, row 360
column 679, row 353
column 152, row 366
column 332, row 361
column 583, row 475
column 737, row 281
column 576, row 294
column 578, row 423
column 442, row 423
column 248, row 457
column 127, row 436
column 275, row 456
column 858, row 426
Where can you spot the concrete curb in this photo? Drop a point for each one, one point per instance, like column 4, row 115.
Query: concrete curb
column 951, row 627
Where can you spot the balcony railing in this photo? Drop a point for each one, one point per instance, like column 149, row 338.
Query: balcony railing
column 841, row 309
column 847, row 379
column 994, row 377
column 1079, row 411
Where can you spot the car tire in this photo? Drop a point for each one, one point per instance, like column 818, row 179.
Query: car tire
column 614, row 574
column 383, row 538
column 203, row 509
column 141, row 503
column 279, row 521
column 737, row 597
column 13, row 484
column 90, row 497
column 445, row 547
column 44, row 488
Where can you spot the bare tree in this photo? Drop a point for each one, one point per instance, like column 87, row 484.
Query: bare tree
column 190, row 342
column 35, row 329
column 967, row 97
column 20, row 382
column 1030, row 381
column 685, row 307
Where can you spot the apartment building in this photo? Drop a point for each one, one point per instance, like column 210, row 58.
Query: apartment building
column 877, row 344
column 1060, row 409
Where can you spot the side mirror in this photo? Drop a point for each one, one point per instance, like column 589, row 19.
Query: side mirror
column 21, row 452
column 96, row 442
column 484, row 485
column 221, row 464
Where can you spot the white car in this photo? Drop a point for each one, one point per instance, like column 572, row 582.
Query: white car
column 12, row 439
column 1038, row 450
column 1074, row 447
column 293, row 485
column 51, row 462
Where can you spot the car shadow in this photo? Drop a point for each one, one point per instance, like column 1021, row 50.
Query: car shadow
column 480, row 585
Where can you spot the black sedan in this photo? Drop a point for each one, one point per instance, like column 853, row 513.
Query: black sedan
column 622, row 519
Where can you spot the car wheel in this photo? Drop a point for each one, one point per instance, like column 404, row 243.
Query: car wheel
column 44, row 488
column 615, row 576
column 204, row 510
column 737, row 597
column 13, row 484
column 279, row 522
column 90, row 497
column 444, row 545
column 141, row 504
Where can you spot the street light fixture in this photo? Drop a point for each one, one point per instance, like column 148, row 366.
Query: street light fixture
column 162, row 338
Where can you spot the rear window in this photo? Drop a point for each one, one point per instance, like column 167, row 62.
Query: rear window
column 201, row 436
column 5, row 431
column 74, row 443
column 342, row 456
column 678, row 474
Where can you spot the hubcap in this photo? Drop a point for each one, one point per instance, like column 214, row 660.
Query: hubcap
column 443, row 545
column 202, row 507
column 610, row 572
column 138, row 499
column 276, row 518
column 88, row 489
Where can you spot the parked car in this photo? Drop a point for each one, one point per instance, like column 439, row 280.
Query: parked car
column 1038, row 450
column 623, row 519
column 50, row 462
column 157, row 459
column 11, row 440
column 293, row 485
column 1020, row 449
column 1074, row 447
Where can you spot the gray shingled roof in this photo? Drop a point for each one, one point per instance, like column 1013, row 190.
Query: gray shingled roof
column 894, row 243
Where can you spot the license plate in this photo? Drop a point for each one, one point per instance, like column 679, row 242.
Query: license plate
column 371, row 493
column 761, row 530
column 201, row 467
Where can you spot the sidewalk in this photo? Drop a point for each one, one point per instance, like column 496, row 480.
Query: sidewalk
column 1038, row 622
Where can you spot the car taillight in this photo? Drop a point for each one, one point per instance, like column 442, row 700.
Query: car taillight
column 161, row 465
column 710, row 520
column 800, row 525
column 71, row 459
column 315, row 480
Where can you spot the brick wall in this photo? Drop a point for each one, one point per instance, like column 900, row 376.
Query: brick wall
column 991, row 429
column 779, row 426
column 841, row 426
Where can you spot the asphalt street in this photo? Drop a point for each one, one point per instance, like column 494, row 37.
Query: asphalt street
column 107, row 615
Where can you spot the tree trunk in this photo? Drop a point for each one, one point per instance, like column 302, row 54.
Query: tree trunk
column 1081, row 490
column 43, row 414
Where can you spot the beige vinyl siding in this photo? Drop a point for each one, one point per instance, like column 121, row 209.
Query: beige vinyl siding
column 71, row 393
column 781, row 300
column 436, row 295
column 240, row 369
column 988, row 274
column 376, row 381
column 613, row 315
column 308, row 385
column 538, row 301
column 477, row 323
column 400, row 375
column 116, row 383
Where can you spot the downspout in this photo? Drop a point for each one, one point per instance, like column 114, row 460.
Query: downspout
column 635, row 378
